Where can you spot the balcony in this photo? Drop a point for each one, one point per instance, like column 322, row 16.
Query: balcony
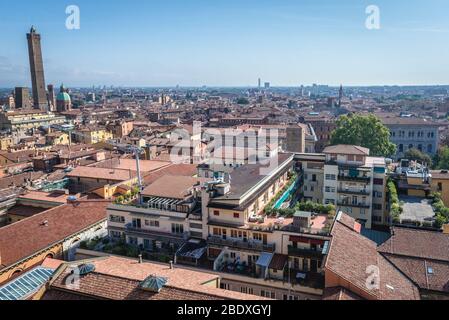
column 241, row 244
column 354, row 204
column 363, row 192
column 342, row 177
column 300, row 252
column 129, row 228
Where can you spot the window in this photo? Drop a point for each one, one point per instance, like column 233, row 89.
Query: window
column 429, row 148
column 115, row 234
column 377, row 206
column 117, row 219
column 236, row 215
column 329, row 201
column 257, row 236
column 152, row 223
column 225, row 286
column 378, row 182
column 132, row 241
column 359, row 158
column 331, row 177
column 377, row 194
column 216, row 213
column 268, row 294
column 330, row 189
column 401, row 148
column 147, row 244
column 440, row 186
column 177, row 228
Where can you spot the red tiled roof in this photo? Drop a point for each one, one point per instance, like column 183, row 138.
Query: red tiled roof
column 350, row 255
column 422, row 255
column 339, row 293
column 188, row 170
column 119, row 278
column 417, row 243
column 24, row 238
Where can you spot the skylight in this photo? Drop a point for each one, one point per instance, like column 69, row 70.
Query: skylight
column 154, row 283
column 25, row 285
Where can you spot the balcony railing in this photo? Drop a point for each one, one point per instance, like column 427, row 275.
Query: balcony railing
column 301, row 252
column 130, row 228
column 343, row 177
column 354, row 191
column 241, row 244
column 353, row 204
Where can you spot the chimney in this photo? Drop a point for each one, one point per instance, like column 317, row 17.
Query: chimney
column 446, row 229
column 140, row 259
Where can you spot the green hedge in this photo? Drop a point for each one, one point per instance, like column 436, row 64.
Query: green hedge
column 395, row 204
column 441, row 211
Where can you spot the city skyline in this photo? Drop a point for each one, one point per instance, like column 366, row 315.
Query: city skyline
column 229, row 44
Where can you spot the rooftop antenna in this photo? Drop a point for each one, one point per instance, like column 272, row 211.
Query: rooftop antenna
column 137, row 152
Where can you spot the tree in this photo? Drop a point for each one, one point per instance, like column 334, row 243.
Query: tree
column 443, row 159
column 416, row 155
column 242, row 101
column 365, row 131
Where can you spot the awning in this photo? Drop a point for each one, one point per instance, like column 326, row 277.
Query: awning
column 264, row 259
column 279, row 261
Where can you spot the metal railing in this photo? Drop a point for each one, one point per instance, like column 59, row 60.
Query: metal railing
column 292, row 251
column 241, row 244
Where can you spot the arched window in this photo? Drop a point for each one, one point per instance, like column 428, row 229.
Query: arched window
column 429, row 148
column 401, row 148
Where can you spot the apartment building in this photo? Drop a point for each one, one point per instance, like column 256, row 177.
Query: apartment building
column 313, row 176
column 28, row 119
column 356, row 183
column 92, row 135
column 222, row 226
column 417, row 133
column 167, row 214
column 243, row 241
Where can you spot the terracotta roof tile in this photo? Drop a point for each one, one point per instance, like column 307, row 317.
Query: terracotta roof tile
column 350, row 254
column 24, row 238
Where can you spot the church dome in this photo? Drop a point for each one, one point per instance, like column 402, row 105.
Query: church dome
column 63, row 96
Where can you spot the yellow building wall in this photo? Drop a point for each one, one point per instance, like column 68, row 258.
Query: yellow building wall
column 444, row 190
column 416, row 193
column 55, row 252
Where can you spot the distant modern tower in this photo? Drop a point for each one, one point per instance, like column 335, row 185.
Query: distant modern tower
column 22, row 98
column 260, row 83
column 37, row 70
column 340, row 96
column 267, row 85
column 51, row 97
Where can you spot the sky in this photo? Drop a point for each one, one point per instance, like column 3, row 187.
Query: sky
column 228, row 42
